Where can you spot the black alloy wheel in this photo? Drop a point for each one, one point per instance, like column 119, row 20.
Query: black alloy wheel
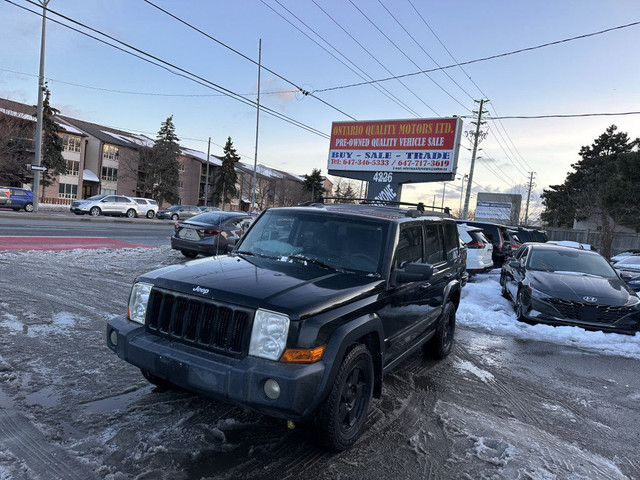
column 342, row 416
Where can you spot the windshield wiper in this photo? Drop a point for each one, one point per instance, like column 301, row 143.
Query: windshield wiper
column 314, row 261
column 253, row 254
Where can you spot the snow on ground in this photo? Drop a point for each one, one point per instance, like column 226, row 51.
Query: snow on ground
column 483, row 308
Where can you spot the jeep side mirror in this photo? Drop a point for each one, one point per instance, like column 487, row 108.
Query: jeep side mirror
column 414, row 272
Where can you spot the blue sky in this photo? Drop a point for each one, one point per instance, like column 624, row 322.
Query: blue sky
column 598, row 74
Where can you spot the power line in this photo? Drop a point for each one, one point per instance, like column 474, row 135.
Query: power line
column 427, row 54
column 371, row 55
column 151, row 94
column 247, row 58
column 405, row 55
column 165, row 65
column 380, row 88
column 484, row 59
column 571, row 115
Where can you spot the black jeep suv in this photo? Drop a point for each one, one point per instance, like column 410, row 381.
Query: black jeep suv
column 302, row 320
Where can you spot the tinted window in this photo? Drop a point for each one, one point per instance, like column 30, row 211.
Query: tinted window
column 141, row 201
column 122, row 200
column 569, row 260
column 110, row 199
column 434, row 244
column 410, row 245
column 451, row 241
column 525, row 236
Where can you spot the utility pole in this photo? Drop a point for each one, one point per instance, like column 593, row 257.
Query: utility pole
column 476, row 140
column 206, row 180
column 36, row 173
column 255, row 160
column 526, row 212
column 444, row 186
column 464, row 179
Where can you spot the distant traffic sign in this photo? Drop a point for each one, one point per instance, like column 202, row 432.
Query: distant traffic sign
column 38, row 168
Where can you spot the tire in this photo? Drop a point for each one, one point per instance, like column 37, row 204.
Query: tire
column 440, row 345
column 189, row 254
column 175, row 217
column 503, row 283
column 519, row 305
column 28, row 207
column 157, row 381
column 131, row 213
column 341, row 418
column 95, row 211
column 151, row 214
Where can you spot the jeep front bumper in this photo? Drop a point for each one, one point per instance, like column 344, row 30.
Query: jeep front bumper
column 237, row 381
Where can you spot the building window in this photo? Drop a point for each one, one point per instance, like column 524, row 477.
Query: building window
column 180, row 184
column 72, row 167
column 108, row 191
column 181, row 167
column 67, row 190
column 71, row 144
column 110, row 174
column 110, row 152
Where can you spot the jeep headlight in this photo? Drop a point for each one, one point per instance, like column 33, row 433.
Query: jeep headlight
column 269, row 334
column 138, row 302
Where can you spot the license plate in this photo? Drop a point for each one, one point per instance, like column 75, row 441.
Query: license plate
column 189, row 234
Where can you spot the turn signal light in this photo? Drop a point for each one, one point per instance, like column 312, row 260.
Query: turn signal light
column 303, row 355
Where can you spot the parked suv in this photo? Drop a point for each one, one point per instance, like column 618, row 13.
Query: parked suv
column 16, row 198
column 498, row 235
column 106, row 205
column 147, row 207
column 304, row 318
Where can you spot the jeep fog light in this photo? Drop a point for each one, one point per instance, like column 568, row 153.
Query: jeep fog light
column 138, row 302
column 271, row 389
column 269, row 334
column 113, row 338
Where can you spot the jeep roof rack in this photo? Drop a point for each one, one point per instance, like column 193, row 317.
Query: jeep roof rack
column 415, row 212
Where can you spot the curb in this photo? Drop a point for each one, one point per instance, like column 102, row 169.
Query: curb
column 71, row 217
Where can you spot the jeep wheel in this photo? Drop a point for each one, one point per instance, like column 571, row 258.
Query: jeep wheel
column 28, row 207
column 441, row 343
column 131, row 213
column 157, row 381
column 95, row 211
column 342, row 416
column 150, row 214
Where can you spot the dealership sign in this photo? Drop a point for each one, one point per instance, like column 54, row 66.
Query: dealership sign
column 424, row 146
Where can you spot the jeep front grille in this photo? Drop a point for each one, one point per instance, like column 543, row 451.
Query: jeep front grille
column 200, row 322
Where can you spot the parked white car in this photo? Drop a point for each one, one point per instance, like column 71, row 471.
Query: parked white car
column 479, row 249
column 147, row 207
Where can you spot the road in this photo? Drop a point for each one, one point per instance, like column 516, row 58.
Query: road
column 138, row 231
column 498, row 407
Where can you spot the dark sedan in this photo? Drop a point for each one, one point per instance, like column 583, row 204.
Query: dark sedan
column 569, row 286
column 210, row 233
column 629, row 270
column 178, row 212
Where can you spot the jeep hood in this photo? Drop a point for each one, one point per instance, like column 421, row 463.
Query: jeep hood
column 295, row 289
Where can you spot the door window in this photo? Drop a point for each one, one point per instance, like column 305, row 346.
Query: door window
column 434, row 244
column 410, row 246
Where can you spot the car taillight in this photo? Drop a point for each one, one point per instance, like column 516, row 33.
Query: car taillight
column 209, row 231
column 177, row 226
column 475, row 244
column 515, row 246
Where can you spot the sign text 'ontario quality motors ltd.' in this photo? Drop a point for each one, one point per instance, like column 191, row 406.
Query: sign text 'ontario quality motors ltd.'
column 420, row 146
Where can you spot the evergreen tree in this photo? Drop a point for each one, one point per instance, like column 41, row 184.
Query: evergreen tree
column 600, row 187
column 225, row 188
column 349, row 193
column 159, row 167
column 314, row 184
column 51, row 143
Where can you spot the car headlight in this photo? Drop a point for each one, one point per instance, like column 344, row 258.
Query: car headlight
column 633, row 301
column 138, row 301
column 535, row 293
column 269, row 334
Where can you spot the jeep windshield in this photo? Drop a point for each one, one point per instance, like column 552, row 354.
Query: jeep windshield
column 324, row 240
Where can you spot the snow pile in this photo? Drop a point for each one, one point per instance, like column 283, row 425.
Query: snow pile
column 482, row 307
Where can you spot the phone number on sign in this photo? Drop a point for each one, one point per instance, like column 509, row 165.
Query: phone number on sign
column 363, row 162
